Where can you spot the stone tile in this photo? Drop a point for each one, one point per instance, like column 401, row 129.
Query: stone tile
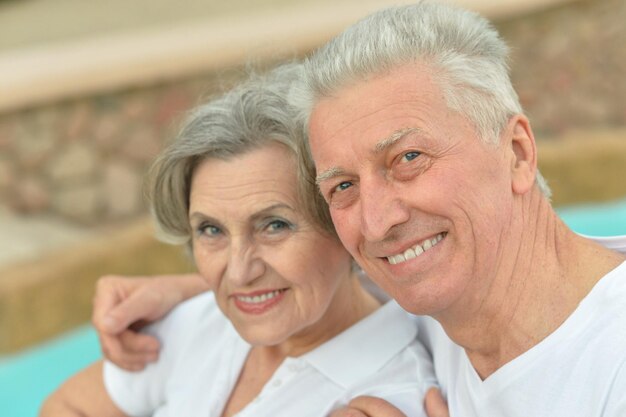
column 107, row 130
column 171, row 107
column 81, row 203
column 7, row 173
column 34, row 141
column 74, row 163
column 138, row 105
column 122, row 195
column 143, row 144
column 7, row 127
column 79, row 121
column 31, row 195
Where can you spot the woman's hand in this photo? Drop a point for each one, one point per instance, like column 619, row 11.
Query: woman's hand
column 122, row 305
column 434, row 404
column 368, row 407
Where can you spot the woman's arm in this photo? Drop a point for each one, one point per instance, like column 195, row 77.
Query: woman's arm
column 83, row 395
column 123, row 304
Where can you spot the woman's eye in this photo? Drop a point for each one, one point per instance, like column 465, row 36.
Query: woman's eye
column 209, row 230
column 409, row 156
column 277, row 226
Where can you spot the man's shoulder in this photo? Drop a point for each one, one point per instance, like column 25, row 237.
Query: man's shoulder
column 616, row 243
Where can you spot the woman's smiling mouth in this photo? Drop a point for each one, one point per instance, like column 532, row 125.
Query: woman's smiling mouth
column 259, row 301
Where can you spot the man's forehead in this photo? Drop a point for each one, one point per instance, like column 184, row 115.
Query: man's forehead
column 398, row 90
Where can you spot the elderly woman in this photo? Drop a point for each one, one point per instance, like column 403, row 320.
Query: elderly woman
column 277, row 333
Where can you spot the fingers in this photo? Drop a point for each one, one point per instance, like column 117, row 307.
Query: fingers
column 140, row 305
column 435, row 405
column 123, row 304
column 118, row 303
column 348, row 412
column 375, row 407
column 129, row 350
column 138, row 342
column 108, row 294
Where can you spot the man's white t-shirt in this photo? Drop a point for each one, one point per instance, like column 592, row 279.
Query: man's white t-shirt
column 579, row 370
column 202, row 356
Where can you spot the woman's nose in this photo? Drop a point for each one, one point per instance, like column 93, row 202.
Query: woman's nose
column 244, row 264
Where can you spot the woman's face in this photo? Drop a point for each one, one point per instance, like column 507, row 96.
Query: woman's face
column 274, row 275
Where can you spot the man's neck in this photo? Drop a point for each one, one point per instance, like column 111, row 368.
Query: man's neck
column 543, row 272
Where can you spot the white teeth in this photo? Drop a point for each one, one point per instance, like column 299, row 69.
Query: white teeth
column 416, row 251
column 258, row 298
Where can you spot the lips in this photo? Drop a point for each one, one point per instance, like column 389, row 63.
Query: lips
column 416, row 250
column 258, row 302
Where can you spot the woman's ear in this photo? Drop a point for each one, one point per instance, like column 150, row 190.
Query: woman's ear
column 524, row 154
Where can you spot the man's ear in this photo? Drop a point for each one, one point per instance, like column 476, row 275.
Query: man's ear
column 521, row 142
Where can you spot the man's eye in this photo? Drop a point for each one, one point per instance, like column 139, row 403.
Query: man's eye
column 343, row 186
column 409, row 156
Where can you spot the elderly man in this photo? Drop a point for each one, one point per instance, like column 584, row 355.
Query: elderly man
column 430, row 170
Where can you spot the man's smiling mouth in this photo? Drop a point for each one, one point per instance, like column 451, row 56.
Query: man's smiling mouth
column 416, row 250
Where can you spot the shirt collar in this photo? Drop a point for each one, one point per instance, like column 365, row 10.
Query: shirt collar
column 365, row 347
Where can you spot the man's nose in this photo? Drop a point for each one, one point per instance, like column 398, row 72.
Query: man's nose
column 244, row 264
column 382, row 208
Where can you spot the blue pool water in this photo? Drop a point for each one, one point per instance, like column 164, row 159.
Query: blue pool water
column 607, row 219
column 27, row 378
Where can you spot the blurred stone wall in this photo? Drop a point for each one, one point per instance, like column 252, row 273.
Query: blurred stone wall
column 85, row 160
column 568, row 65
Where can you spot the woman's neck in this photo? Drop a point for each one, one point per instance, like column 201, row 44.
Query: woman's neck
column 350, row 304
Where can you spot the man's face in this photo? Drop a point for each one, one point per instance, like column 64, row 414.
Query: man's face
column 416, row 197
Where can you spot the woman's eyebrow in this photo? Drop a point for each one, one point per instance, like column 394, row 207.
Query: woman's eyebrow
column 267, row 210
column 199, row 216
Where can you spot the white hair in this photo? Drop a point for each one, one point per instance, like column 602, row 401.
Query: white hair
column 465, row 52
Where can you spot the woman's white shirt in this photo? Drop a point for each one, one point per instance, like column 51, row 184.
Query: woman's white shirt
column 202, row 356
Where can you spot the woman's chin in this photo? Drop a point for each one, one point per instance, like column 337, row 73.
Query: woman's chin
column 259, row 335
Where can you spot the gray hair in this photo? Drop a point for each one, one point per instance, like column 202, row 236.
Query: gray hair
column 467, row 55
column 246, row 118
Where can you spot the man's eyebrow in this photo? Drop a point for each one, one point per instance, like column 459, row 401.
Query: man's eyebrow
column 328, row 174
column 393, row 138
column 378, row 148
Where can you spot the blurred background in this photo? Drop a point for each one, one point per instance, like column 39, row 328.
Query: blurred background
column 91, row 91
